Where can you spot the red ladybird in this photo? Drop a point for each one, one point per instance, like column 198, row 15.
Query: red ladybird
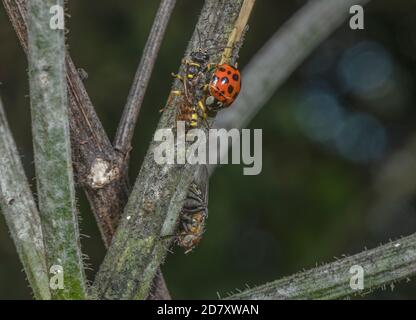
column 225, row 84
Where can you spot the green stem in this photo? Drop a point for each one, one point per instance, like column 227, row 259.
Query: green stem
column 384, row 265
column 50, row 126
column 22, row 216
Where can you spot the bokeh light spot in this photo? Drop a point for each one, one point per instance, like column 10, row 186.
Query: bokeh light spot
column 361, row 138
column 365, row 68
column 319, row 115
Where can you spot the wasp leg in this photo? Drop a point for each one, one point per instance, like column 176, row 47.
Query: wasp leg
column 175, row 75
column 170, row 236
column 177, row 93
column 203, row 109
column 211, row 66
column 172, row 93
column 185, row 227
column 205, row 88
column 201, row 105
column 167, row 236
column 186, row 218
column 186, row 61
column 194, row 120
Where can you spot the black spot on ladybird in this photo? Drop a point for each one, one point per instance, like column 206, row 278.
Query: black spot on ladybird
column 228, row 72
column 235, row 77
column 222, row 69
column 230, row 89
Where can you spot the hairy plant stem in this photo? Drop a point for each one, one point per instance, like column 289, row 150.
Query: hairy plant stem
column 52, row 149
column 22, row 216
column 100, row 170
column 382, row 266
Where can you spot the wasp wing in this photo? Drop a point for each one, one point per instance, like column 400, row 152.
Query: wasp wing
column 197, row 197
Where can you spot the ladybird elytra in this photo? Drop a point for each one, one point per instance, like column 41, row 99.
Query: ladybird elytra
column 225, row 84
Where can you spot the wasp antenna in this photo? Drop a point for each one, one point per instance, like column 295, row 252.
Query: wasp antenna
column 219, row 48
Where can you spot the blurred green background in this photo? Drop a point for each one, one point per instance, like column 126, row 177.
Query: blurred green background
column 327, row 135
